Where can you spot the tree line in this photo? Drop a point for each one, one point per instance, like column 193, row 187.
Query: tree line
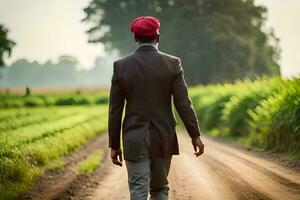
column 66, row 72
column 217, row 40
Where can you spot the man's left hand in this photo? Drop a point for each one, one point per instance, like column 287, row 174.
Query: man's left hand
column 198, row 146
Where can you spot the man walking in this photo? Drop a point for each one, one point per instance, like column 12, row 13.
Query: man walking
column 147, row 80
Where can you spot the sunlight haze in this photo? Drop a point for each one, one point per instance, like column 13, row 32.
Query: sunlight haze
column 50, row 28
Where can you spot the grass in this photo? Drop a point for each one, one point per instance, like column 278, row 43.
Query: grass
column 38, row 100
column 56, row 165
column 93, row 161
column 32, row 144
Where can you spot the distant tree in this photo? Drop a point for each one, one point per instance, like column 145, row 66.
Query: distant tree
column 100, row 74
column 25, row 73
column 27, row 91
column 6, row 44
column 66, row 70
column 217, row 40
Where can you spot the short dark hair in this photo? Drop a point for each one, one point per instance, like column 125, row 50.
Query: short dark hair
column 145, row 39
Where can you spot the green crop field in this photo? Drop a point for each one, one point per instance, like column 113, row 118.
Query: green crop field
column 264, row 113
column 32, row 137
column 36, row 100
column 38, row 129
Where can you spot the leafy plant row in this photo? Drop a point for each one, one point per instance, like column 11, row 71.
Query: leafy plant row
column 16, row 137
column 12, row 101
column 264, row 113
column 24, row 120
column 28, row 150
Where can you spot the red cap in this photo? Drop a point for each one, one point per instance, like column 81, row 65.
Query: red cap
column 145, row 26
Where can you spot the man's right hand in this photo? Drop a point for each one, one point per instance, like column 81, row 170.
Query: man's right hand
column 116, row 156
column 198, row 146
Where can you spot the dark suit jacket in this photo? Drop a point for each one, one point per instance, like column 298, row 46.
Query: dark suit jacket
column 147, row 79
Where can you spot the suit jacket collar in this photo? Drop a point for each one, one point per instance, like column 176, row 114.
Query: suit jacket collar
column 147, row 47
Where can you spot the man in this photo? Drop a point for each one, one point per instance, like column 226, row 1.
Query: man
column 147, row 80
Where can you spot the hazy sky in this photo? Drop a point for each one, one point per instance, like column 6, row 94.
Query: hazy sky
column 46, row 29
column 284, row 17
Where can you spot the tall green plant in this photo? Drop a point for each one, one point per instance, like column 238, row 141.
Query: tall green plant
column 275, row 123
column 235, row 113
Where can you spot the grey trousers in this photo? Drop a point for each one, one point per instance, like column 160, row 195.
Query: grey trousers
column 148, row 173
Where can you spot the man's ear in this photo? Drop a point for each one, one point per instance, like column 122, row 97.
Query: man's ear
column 135, row 38
column 157, row 38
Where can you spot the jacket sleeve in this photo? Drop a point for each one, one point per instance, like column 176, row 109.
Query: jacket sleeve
column 183, row 103
column 116, row 104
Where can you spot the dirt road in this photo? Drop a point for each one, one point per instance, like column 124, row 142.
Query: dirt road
column 224, row 172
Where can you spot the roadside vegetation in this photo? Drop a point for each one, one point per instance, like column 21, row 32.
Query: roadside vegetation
column 93, row 161
column 31, row 139
column 56, row 165
column 36, row 100
column 264, row 113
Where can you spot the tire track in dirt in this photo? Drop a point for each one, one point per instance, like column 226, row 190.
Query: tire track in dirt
column 113, row 186
column 293, row 184
column 211, row 179
column 283, row 173
column 263, row 182
column 245, row 175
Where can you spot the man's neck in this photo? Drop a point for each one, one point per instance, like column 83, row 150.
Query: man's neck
column 155, row 45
